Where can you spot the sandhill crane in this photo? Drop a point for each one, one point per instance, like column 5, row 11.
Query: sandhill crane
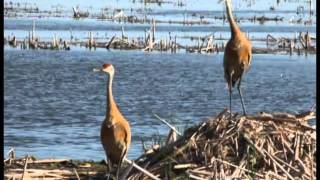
column 237, row 56
column 115, row 130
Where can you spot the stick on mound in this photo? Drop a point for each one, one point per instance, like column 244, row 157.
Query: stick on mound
column 31, row 168
column 273, row 146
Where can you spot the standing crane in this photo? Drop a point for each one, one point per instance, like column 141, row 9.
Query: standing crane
column 237, row 56
column 115, row 130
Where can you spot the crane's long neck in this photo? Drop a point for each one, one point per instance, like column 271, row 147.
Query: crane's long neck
column 111, row 104
column 233, row 26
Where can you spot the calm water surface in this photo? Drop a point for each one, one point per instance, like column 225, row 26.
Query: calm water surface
column 54, row 104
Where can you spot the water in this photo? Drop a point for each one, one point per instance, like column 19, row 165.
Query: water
column 54, row 103
column 103, row 31
column 47, row 27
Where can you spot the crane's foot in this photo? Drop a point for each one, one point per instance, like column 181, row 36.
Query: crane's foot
column 109, row 176
column 230, row 114
column 244, row 110
column 126, row 172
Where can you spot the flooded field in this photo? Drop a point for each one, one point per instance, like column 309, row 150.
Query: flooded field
column 54, row 104
column 187, row 25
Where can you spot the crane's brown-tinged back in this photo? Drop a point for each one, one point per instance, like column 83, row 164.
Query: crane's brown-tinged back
column 115, row 136
column 237, row 57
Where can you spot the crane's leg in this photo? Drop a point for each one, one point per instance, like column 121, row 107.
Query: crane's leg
column 118, row 170
column 240, row 93
column 230, row 94
column 109, row 168
column 119, row 164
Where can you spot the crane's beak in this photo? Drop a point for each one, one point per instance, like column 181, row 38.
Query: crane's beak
column 97, row 69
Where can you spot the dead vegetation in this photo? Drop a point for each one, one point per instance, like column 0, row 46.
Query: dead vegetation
column 304, row 43
column 262, row 146
column 31, row 168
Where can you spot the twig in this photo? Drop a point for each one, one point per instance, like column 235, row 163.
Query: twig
column 141, row 169
column 261, row 152
column 281, row 161
column 49, row 161
column 195, row 177
column 56, row 171
column 110, row 42
column 237, row 171
column 314, row 106
column 184, row 166
column 202, row 172
column 225, row 162
column 75, row 171
column 169, row 125
column 172, row 137
column 11, row 155
column 306, row 115
column 279, row 165
column 126, row 172
column 25, row 167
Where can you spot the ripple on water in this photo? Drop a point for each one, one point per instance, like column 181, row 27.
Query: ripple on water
column 54, row 100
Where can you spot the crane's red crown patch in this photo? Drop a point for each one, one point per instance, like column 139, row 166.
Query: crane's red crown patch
column 106, row 65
